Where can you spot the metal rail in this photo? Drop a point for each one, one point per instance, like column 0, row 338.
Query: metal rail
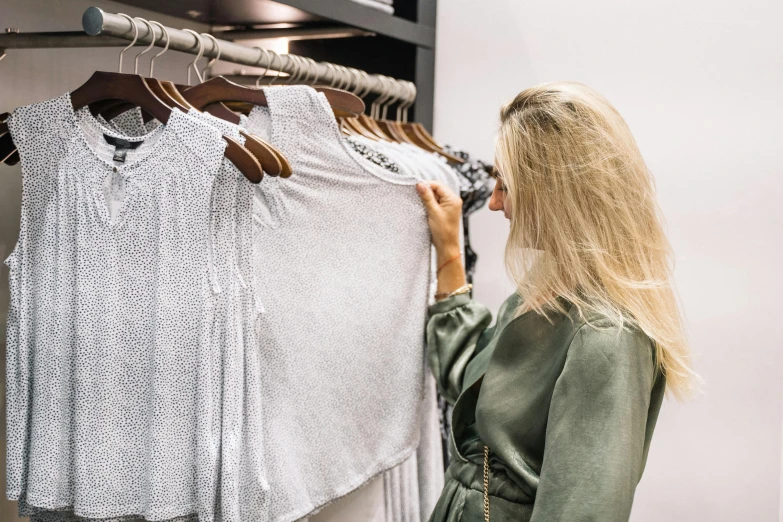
column 100, row 26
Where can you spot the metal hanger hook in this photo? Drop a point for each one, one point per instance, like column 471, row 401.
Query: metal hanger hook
column 295, row 64
column 353, row 76
column 396, row 95
column 388, row 97
column 346, row 77
column 214, row 60
column 413, row 91
column 135, row 37
column 382, row 97
column 268, row 63
column 305, row 77
column 301, row 71
column 306, row 70
column 198, row 56
column 339, row 76
column 349, row 79
column 307, row 66
column 407, row 100
column 314, row 68
column 332, row 70
column 373, row 106
column 402, row 99
column 149, row 47
column 367, row 87
column 271, row 66
column 357, row 79
column 165, row 32
column 360, row 84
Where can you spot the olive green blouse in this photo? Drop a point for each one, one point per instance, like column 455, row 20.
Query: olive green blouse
column 566, row 408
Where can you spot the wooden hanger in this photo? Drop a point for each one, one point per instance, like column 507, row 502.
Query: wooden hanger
column 391, row 128
column 7, row 147
column 416, row 132
column 367, row 124
column 169, row 95
column 111, row 86
column 251, row 158
column 219, row 89
column 210, row 95
column 352, row 126
column 127, row 87
column 8, row 153
column 275, row 163
column 133, row 88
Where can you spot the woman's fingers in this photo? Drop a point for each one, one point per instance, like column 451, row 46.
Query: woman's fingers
column 427, row 196
column 441, row 192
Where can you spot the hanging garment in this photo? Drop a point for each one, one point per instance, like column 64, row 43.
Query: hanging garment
column 362, row 505
column 342, row 260
column 131, row 123
column 372, row 155
column 236, row 481
column 108, row 316
column 412, row 488
column 240, row 487
column 475, row 189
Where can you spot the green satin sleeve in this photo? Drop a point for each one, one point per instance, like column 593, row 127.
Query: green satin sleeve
column 597, row 427
column 454, row 330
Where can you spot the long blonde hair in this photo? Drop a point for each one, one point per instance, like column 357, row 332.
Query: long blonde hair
column 585, row 222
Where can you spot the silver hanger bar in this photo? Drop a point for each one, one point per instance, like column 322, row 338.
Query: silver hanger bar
column 55, row 40
column 100, row 26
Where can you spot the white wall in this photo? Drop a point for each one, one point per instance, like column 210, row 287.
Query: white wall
column 700, row 83
column 28, row 76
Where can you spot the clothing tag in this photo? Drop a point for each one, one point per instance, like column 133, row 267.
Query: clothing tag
column 121, row 147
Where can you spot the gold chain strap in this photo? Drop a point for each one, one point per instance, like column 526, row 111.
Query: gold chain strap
column 486, row 484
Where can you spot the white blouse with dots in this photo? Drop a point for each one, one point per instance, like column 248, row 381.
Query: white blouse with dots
column 109, row 322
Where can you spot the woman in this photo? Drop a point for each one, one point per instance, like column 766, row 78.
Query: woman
column 555, row 405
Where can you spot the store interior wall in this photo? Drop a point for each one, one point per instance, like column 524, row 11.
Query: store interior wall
column 699, row 83
column 28, row 76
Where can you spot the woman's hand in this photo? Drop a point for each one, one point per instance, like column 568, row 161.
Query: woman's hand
column 444, row 212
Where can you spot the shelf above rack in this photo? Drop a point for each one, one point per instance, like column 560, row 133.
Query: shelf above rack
column 249, row 12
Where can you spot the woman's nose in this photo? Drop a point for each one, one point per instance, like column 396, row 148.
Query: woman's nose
column 496, row 201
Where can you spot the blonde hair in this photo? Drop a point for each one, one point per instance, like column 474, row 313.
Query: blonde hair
column 585, row 221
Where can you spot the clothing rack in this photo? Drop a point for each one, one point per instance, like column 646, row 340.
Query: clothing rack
column 103, row 29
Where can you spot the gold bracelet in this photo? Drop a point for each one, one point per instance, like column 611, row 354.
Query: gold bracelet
column 459, row 291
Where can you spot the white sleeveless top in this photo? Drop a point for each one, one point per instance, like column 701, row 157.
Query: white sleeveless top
column 242, row 489
column 343, row 263
column 109, row 282
column 234, row 486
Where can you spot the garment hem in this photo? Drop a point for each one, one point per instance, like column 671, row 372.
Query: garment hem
column 43, row 505
column 392, row 463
